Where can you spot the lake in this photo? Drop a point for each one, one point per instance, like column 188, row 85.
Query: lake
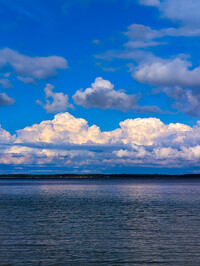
column 100, row 222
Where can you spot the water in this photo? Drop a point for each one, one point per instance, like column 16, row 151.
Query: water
column 99, row 222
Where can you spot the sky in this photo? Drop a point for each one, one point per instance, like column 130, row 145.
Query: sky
column 99, row 86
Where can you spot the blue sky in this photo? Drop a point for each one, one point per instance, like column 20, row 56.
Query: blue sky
column 99, row 86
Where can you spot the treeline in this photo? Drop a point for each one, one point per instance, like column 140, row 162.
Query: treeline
column 94, row 176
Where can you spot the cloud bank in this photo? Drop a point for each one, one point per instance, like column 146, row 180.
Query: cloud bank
column 70, row 143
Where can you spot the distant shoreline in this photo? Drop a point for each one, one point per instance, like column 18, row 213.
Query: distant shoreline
column 99, row 176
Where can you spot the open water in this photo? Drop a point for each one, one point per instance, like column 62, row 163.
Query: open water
column 99, row 222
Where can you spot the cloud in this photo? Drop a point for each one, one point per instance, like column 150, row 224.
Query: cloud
column 178, row 80
column 108, row 69
column 183, row 11
column 141, row 142
column 141, row 36
column 102, row 95
column 149, row 2
column 189, row 103
column 175, row 93
column 27, row 80
column 69, row 142
column 185, row 14
column 6, row 75
column 5, row 136
column 172, row 72
column 32, row 67
column 142, row 44
column 127, row 54
column 138, row 32
column 66, row 129
column 59, row 101
column 148, row 68
column 182, row 31
column 6, row 100
column 5, row 83
column 185, row 100
column 150, row 131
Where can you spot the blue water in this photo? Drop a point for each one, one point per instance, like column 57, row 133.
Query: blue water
column 99, row 222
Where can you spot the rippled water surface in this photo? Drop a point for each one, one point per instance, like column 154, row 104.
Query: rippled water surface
column 99, row 222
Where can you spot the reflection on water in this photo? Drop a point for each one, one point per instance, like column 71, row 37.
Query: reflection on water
column 99, row 222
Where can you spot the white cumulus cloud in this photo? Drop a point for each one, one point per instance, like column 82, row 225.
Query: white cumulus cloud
column 67, row 141
column 64, row 128
column 172, row 72
column 59, row 101
column 102, row 95
column 5, row 136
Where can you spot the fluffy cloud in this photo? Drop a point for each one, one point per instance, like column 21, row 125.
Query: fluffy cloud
column 70, row 142
column 5, row 100
column 63, row 129
column 151, row 131
column 168, row 73
column 176, row 76
column 174, row 72
column 5, row 136
column 66, row 129
column 102, row 95
column 34, row 67
column 59, row 100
